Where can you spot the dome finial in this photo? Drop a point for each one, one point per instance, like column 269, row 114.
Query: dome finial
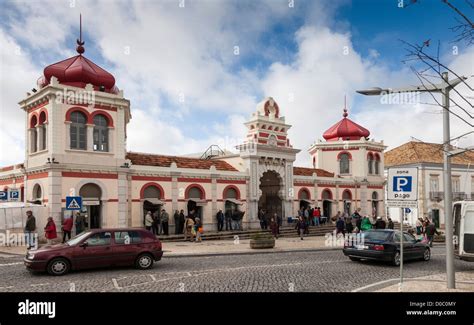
column 80, row 48
column 345, row 114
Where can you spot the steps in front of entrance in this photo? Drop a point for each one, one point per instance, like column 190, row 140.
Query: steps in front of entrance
column 286, row 231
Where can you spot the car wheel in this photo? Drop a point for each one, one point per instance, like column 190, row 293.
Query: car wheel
column 144, row 261
column 58, row 266
column 427, row 254
column 355, row 259
column 396, row 259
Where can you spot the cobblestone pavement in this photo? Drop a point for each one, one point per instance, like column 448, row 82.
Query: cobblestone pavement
column 296, row 271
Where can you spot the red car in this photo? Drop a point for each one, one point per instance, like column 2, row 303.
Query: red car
column 97, row 248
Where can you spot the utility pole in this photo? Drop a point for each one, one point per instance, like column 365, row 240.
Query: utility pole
column 444, row 88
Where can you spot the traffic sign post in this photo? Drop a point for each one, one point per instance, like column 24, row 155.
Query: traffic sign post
column 73, row 203
column 402, row 193
column 3, row 195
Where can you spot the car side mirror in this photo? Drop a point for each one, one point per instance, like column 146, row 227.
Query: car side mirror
column 84, row 244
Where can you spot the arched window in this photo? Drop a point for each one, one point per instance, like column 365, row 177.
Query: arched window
column 42, row 121
column 78, row 131
column 375, row 205
column 344, row 163
column 37, row 193
column 34, row 134
column 195, row 193
column 370, row 163
column 231, row 193
column 152, row 192
column 101, row 133
column 377, row 165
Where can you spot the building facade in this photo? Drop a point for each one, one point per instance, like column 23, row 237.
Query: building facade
column 428, row 158
column 76, row 131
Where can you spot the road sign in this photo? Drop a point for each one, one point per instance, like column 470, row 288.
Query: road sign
column 14, row 195
column 402, row 187
column 3, row 195
column 407, row 210
column 73, row 203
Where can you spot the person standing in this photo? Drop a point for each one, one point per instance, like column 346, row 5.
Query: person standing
column 340, row 226
column 156, row 226
column 274, row 227
column 301, row 225
column 380, row 223
column 316, row 216
column 220, row 220
column 67, row 227
column 348, row 225
column 188, row 228
column 80, row 223
column 182, row 219
column 176, row 222
column 235, row 220
column 279, row 221
column 261, row 218
column 365, row 224
column 165, row 218
column 228, row 220
column 149, row 222
column 50, row 231
column 30, row 228
column 390, row 224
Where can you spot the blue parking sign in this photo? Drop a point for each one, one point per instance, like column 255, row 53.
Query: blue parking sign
column 73, row 203
column 14, row 195
column 3, row 195
column 402, row 183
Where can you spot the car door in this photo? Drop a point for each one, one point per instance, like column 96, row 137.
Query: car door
column 406, row 245
column 411, row 247
column 126, row 247
column 95, row 251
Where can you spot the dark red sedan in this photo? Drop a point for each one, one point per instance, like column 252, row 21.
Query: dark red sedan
column 98, row 248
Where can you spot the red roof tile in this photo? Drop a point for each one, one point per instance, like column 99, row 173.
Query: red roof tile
column 145, row 159
column 303, row 171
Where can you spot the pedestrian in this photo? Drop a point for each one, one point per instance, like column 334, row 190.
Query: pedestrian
column 156, row 226
column 430, row 232
column 198, row 229
column 306, row 220
column 182, row 219
column 300, row 226
column 365, row 224
column 188, row 228
column 390, row 224
column 149, row 222
column 176, row 222
column 67, row 227
column 30, row 228
column 261, row 218
column 228, row 220
column 220, row 220
column 274, row 227
column 419, row 226
column 50, row 231
column 348, row 225
column 340, row 226
column 80, row 223
column 279, row 221
column 165, row 218
column 380, row 223
column 316, row 216
column 336, row 217
column 235, row 220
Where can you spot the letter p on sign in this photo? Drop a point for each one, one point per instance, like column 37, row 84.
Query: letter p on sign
column 402, row 183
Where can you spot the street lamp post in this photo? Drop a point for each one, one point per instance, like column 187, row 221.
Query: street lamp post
column 444, row 88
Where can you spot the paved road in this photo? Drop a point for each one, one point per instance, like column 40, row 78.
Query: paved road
column 298, row 271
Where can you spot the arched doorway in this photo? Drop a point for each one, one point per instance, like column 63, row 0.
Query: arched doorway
column 232, row 200
column 91, row 200
column 304, row 198
column 326, row 197
column 196, row 201
column 151, row 200
column 346, row 199
column 270, row 201
column 37, row 197
column 375, row 204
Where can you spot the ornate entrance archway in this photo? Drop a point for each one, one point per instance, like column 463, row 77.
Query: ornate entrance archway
column 270, row 199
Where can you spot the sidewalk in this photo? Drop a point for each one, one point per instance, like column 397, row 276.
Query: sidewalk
column 219, row 247
column 434, row 283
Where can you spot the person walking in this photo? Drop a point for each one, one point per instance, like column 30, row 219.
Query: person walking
column 340, row 226
column 30, row 228
column 261, row 218
column 348, row 225
column 188, row 229
column 365, row 224
column 390, row 224
column 220, row 220
column 157, row 227
column 50, row 231
column 67, row 227
column 228, row 220
column 165, row 218
column 274, row 227
column 80, row 223
column 149, row 222
column 430, row 232
column 198, row 229
column 306, row 220
column 176, row 222
column 301, row 225
column 419, row 226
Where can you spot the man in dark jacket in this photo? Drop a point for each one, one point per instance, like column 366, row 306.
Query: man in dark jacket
column 182, row 219
column 176, row 222
column 220, row 220
column 30, row 228
column 228, row 220
column 430, row 232
column 380, row 223
column 390, row 224
column 340, row 225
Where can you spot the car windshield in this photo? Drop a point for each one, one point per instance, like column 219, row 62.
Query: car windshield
column 375, row 235
column 78, row 238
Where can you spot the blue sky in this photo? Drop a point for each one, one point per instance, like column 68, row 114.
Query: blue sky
column 190, row 51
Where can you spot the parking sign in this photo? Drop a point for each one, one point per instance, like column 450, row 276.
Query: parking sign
column 14, row 195
column 402, row 187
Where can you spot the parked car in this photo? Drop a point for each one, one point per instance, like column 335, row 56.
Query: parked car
column 97, row 248
column 384, row 245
